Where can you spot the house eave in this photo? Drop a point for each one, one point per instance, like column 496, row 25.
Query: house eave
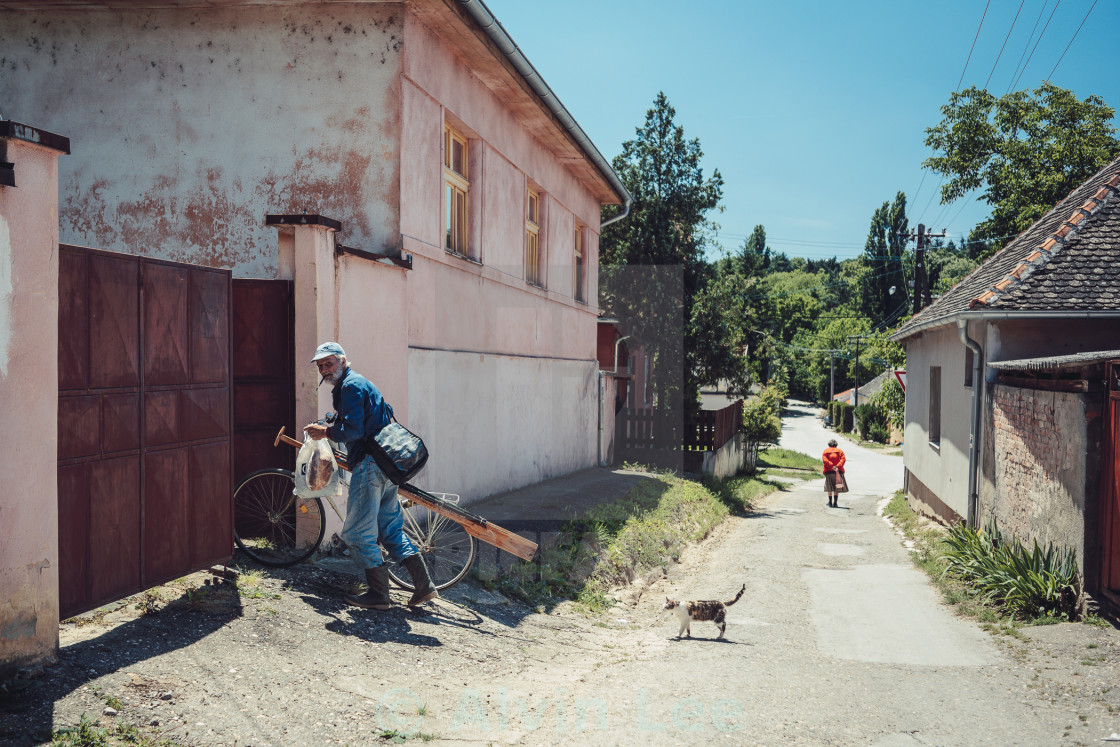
column 968, row 316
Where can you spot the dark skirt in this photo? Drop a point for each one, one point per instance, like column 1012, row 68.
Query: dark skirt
column 830, row 481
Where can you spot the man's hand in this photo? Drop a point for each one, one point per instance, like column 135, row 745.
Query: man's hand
column 316, row 431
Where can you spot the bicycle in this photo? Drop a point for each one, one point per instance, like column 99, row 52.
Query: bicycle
column 266, row 510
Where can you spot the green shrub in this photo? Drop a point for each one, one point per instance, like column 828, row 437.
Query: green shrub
column 870, row 416
column 843, row 420
column 878, row 433
column 892, row 401
column 1029, row 583
column 761, row 421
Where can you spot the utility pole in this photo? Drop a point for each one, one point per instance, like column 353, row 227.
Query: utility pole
column 919, row 267
column 855, row 369
column 831, row 375
column 922, row 291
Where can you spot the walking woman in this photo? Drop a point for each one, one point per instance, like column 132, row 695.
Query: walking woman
column 834, row 480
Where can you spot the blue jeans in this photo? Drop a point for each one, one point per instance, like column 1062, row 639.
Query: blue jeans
column 373, row 513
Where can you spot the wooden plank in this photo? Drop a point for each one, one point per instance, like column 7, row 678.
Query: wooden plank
column 1049, row 385
column 476, row 526
column 491, row 534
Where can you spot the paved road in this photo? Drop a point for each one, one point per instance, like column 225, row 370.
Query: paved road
column 838, row 640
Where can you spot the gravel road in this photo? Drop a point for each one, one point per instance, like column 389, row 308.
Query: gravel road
column 838, row 640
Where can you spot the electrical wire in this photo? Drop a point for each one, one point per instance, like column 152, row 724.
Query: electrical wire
column 1040, row 35
column 1075, row 33
column 1013, row 21
column 1026, row 46
column 974, row 43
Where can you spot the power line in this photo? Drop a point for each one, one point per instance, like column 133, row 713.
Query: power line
column 1075, row 33
column 1016, row 18
column 974, row 43
column 1026, row 46
column 925, row 173
column 1040, row 35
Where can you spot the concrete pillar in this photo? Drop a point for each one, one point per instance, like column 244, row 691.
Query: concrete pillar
column 29, row 391
column 307, row 252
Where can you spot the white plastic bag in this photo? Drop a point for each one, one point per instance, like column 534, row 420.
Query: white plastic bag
column 317, row 472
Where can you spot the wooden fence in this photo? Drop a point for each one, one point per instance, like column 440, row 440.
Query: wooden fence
column 646, row 429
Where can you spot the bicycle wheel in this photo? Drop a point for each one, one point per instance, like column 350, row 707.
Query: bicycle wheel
column 447, row 549
column 270, row 524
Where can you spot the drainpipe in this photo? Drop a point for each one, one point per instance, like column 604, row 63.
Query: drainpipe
column 602, row 375
column 974, row 436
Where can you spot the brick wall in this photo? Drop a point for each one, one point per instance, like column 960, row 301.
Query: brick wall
column 1036, row 469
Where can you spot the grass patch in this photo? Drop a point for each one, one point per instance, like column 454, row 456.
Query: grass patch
column 89, row 733
column 947, row 557
column 615, row 543
column 787, row 459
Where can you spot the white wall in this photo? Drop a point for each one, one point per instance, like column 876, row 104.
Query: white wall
column 497, row 422
column 943, row 470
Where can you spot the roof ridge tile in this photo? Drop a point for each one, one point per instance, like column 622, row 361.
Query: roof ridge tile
column 1050, row 246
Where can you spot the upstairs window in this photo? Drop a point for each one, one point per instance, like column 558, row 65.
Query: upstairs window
column 533, row 237
column 580, row 262
column 455, row 189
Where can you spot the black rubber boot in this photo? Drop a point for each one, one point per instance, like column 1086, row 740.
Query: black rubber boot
column 425, row 590
column 377, row 598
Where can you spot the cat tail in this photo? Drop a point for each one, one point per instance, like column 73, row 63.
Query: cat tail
column 736, row 599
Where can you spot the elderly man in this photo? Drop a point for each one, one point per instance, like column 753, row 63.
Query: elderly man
column 373, row 512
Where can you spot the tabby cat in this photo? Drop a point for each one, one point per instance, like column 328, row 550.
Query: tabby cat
column 712, row 610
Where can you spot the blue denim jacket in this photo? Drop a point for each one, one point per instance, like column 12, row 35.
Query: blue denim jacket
column 362, row 413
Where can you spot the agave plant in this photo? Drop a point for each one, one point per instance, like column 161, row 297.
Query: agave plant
column 1029, row 583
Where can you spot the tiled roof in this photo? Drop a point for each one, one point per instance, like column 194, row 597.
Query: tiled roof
column 1069, row 260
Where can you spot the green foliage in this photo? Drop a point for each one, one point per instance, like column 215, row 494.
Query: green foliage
column 843, row 420
column 883, row 253
column 892, row 401
column 617, row 542
column 1029, row 583
column 1025, row 150
column 86, row 734
column 761, row 416
column 667, row 228
column 871, row 421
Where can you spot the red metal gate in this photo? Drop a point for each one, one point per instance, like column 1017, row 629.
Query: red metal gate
column 1110, row 493
column 263, row 375
column 144, row 423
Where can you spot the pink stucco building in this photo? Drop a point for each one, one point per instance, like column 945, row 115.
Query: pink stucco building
column 417, row 129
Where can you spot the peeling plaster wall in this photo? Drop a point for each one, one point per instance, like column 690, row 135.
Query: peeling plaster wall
column 29, row 325
column 1040, row 465
column 188, row 126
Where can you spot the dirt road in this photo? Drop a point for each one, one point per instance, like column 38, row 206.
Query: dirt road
column 838, row 640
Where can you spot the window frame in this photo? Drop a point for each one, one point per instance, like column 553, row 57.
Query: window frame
column 533, row 274
column 456, row 194
column 579, row 263
column 933, row 431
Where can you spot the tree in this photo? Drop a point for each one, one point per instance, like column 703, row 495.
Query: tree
column 653, row 262
column 755, row 255
column 883, row 252
column 1025, row 150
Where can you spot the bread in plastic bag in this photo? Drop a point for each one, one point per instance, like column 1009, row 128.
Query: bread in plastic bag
column 317, row 472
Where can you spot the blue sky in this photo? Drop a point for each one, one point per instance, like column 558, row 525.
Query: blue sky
column 813, row 112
